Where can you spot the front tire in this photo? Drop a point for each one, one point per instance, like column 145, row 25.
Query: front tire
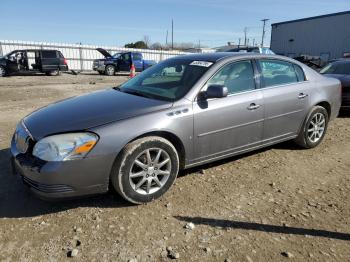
column 314, row 128
column 145, row 169
column 110, row 70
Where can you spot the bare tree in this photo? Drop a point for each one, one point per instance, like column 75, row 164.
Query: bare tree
column 147, row 40
column 156, row 46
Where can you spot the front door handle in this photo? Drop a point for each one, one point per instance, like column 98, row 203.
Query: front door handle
column 253, row 106
column 302, row 95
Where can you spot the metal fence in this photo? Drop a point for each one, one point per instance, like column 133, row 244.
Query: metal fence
column 80, row 57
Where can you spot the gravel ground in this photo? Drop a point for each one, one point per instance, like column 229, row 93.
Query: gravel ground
column 276, row 204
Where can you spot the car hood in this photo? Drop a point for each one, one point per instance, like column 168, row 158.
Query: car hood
column 104, row 52
column 88, row 111
column 344, row 79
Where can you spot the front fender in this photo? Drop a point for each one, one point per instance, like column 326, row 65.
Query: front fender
column 115, row 136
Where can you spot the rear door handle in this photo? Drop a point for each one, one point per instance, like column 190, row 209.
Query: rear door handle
column 302, row 95
column 253, row 106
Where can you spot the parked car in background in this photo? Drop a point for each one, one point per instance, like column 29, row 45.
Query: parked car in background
column 183, row 112
column 340, row 69
column 50, row 62
column 120, row 62
column 258, row 50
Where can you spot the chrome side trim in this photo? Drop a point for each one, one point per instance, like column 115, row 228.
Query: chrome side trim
column 231, row 127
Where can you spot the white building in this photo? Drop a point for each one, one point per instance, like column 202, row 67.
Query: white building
column 326, row 36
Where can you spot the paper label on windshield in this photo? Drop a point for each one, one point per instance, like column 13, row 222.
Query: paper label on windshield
column 201, row 63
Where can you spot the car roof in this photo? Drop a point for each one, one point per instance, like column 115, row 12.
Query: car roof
column 214, row 57
column 340, row 60
column 33, row 50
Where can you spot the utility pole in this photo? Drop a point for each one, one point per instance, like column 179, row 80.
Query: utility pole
column 166, row 38
column 199, row 43
column 263, row 33
column 172, row 33
column 239, row 42
column 245, row 35
column 253, row 41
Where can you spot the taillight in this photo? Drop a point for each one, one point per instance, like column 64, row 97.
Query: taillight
column 341, row 89
column 65, row 61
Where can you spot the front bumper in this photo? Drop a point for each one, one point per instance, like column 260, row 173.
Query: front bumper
column 57, row 180
column 345, row 104
column 98, row 67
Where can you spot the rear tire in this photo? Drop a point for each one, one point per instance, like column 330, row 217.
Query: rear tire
column 110, row 70
column 145, row 169
column 2, row 71
column 53, row 73
column 314, row 128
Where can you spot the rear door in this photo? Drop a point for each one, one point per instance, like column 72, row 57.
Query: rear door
column 49, row 60
column 286, row 98
column 124, row 62
column 231, row 124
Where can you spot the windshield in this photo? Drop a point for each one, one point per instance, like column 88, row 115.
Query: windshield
column 169, row 80
column 116, row 55
column 338, row 68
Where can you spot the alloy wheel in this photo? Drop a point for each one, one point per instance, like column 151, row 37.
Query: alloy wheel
column 316, row 127
column 150, row 171
column 110, row 70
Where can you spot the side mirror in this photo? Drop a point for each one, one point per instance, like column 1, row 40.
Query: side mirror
column 216, row 91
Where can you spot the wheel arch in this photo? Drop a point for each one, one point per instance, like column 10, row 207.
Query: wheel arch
column 172, row 138
column 112, row 64
column 326, row 105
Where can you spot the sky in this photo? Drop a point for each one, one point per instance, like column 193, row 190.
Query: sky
column 110, row 22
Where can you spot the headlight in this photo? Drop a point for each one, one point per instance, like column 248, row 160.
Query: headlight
column 65, row 147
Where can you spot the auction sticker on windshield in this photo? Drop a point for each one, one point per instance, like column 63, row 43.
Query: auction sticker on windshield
column 201, row 63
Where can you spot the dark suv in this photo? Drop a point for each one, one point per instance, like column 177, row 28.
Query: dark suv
column 50, row 62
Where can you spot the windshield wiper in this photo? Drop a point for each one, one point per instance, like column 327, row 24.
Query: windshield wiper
column 136, row 93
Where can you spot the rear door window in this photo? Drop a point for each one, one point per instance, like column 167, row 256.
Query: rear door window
column 48, row 54
column 137, row 57
column 277, row 72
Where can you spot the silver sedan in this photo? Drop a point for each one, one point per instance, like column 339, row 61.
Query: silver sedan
column 183, row 112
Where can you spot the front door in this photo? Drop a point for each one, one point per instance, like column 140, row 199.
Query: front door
column 232, row 124
column 285, row 94
column 14, row 61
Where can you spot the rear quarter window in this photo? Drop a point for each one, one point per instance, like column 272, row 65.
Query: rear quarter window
column 60, row 54
column 300, row 73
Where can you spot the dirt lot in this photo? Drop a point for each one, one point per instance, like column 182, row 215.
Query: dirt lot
column 277, row 204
